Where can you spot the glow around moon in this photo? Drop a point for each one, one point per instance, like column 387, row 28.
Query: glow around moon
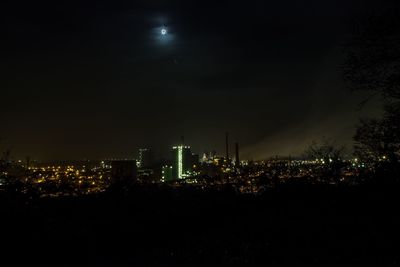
column 162, row 35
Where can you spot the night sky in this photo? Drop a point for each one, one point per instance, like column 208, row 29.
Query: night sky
column 96, row 79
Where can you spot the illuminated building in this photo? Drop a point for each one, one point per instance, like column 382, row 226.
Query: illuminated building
column 183, row 161
column 167, row 173
column 208, row 157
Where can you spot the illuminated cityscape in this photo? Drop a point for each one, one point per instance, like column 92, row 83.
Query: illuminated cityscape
column 200, row 133
column 183, row 168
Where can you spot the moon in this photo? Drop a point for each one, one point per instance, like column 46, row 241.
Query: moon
column 162, row 35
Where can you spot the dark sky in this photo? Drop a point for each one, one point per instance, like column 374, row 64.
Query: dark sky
column 95, row 79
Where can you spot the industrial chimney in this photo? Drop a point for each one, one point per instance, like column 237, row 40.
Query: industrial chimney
column 237, row 161
column 227, row 146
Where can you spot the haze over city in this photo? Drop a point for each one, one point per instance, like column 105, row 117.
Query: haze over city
column 98, row 79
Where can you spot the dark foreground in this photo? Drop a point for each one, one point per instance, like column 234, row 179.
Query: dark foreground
column 291, row 225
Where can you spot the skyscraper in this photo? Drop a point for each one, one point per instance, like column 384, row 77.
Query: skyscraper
column 183, row 161
column 167, row 173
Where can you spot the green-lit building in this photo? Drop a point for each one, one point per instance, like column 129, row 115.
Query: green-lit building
column 183, row 161
column 167, row 174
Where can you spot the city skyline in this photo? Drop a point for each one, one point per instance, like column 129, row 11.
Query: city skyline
column 200, row 133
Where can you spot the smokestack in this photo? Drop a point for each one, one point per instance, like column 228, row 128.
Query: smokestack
column 227, row 146
column 182, row 140
column 237, row 162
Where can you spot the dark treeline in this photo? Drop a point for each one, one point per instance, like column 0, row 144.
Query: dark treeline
column 312, row 225
column 373, row 66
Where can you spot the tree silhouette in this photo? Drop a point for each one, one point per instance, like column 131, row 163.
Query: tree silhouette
column 329, row 157
column 378, row 140
column 373, row 55
column 373, row 65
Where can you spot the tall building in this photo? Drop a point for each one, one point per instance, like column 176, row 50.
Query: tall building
column 145, row 158
column 183, row 161
column 166, row 173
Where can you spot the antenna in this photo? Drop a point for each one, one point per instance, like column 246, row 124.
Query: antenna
column 182, row 140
